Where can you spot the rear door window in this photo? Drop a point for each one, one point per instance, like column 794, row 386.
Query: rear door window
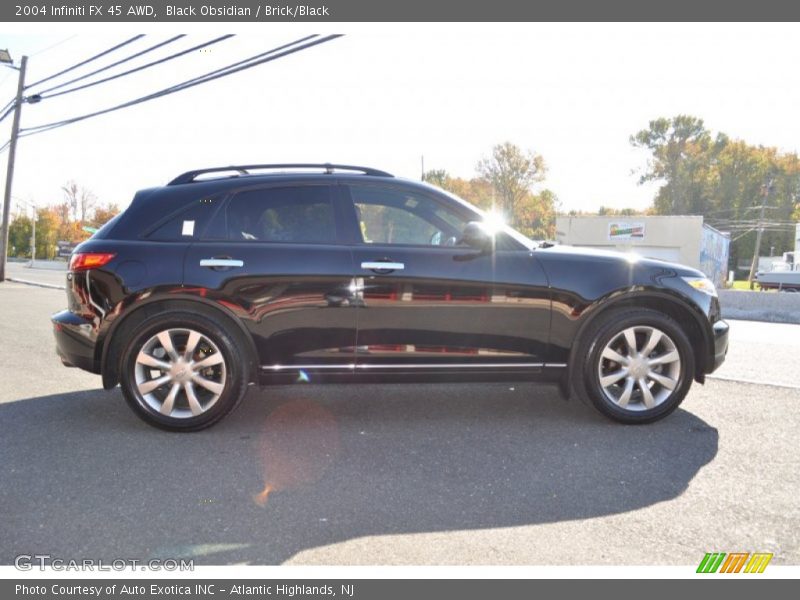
column 186, row 224
column 290, row 214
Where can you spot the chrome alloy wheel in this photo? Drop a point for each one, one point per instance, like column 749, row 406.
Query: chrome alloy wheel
column 639, row 368
column 180, row 373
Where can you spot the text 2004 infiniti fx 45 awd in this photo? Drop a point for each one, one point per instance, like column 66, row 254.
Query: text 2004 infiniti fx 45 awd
column 279, row 273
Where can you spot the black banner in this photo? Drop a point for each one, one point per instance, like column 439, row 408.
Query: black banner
column 333, row 11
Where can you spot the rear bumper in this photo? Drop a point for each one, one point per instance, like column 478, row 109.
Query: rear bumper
column 75, row 342
column 720, row 329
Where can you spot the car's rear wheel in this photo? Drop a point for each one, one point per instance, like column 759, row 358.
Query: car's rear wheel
column 182, row 372
column 635, row 366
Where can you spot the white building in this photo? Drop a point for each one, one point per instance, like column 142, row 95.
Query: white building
column 682, row 239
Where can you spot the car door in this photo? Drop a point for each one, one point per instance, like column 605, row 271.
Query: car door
column 272, row 257
column 429, row 302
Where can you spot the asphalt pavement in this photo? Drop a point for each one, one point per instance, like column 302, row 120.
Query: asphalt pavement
column 51, row 277
column 397, row 474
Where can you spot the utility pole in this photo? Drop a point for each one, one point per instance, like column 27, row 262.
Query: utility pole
column 757, row 250
column 12, row 151
column 33, row 238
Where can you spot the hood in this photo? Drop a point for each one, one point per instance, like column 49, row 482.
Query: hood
column 613, row 256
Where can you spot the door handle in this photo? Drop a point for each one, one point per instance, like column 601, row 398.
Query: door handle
column 383, row 266
column 221, row 262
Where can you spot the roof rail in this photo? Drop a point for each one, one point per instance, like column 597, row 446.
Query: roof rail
column 329, row 168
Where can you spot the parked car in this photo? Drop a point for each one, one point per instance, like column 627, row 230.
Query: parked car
column 265, row 274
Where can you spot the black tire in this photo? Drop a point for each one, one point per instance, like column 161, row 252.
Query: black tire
column 230, row 376
column 590, row 362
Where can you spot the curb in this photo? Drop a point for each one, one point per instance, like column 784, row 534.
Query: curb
column 788, row 386
column 765, row 315
column 51, row 286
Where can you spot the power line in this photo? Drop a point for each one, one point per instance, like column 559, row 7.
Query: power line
column 141, row 68
column 249, row 63
column 9, row 103
column 37, row 53
column 107, row 67
column 8, row 110
column 50, row 47
column 87, row 61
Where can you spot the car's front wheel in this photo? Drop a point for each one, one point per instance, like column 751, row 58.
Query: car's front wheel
column 182, row 372
column 635, row 366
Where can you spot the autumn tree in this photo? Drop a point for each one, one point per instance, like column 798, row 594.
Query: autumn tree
column 437, row 177
column 723, row 179
column 536, row 215
column 103, row 214
column 512, row 172
column 505, row 182
column 80, row 200
column 47, row 230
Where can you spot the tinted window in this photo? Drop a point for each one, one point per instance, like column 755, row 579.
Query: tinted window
column 301, row 214
column 188, row 223
column 389, row 216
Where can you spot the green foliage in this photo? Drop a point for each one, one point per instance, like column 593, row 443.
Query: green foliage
column 19, row 236
column 723, row 179
column 437, row 177
column 53, row 223
column 505, row 184
column 605, row 211
column 512, row 172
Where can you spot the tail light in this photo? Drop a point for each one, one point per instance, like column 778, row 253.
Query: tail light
column 84, row 261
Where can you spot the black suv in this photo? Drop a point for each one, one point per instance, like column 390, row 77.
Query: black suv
column 317, row 273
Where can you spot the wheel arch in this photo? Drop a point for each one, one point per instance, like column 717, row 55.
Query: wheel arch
column 694, row 324
column 113, row 341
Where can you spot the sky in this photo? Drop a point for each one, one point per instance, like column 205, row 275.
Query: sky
column 385, row 95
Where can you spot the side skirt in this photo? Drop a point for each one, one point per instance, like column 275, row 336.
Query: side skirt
column 388, row 373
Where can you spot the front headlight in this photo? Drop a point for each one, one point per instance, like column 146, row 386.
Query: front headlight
column 704, row 284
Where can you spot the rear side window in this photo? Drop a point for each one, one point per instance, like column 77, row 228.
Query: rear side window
column 298, row 214
column 187, row 224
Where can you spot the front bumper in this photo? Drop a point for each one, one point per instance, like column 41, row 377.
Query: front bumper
column 75, row 342
column 720, row 329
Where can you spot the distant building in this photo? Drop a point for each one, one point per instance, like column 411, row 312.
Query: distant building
column 682, row 239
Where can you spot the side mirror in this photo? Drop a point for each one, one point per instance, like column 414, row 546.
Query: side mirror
column 478, row 236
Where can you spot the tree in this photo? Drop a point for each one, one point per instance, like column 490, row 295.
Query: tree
column 512, row 173
column 47, row 226
column 682, row 154
column 605, row 211
column 723, row 179
column 19, row 236
column 505, row 183
column 103, row 214
column 80, row 200
column 437, row 177
column 536, row 215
